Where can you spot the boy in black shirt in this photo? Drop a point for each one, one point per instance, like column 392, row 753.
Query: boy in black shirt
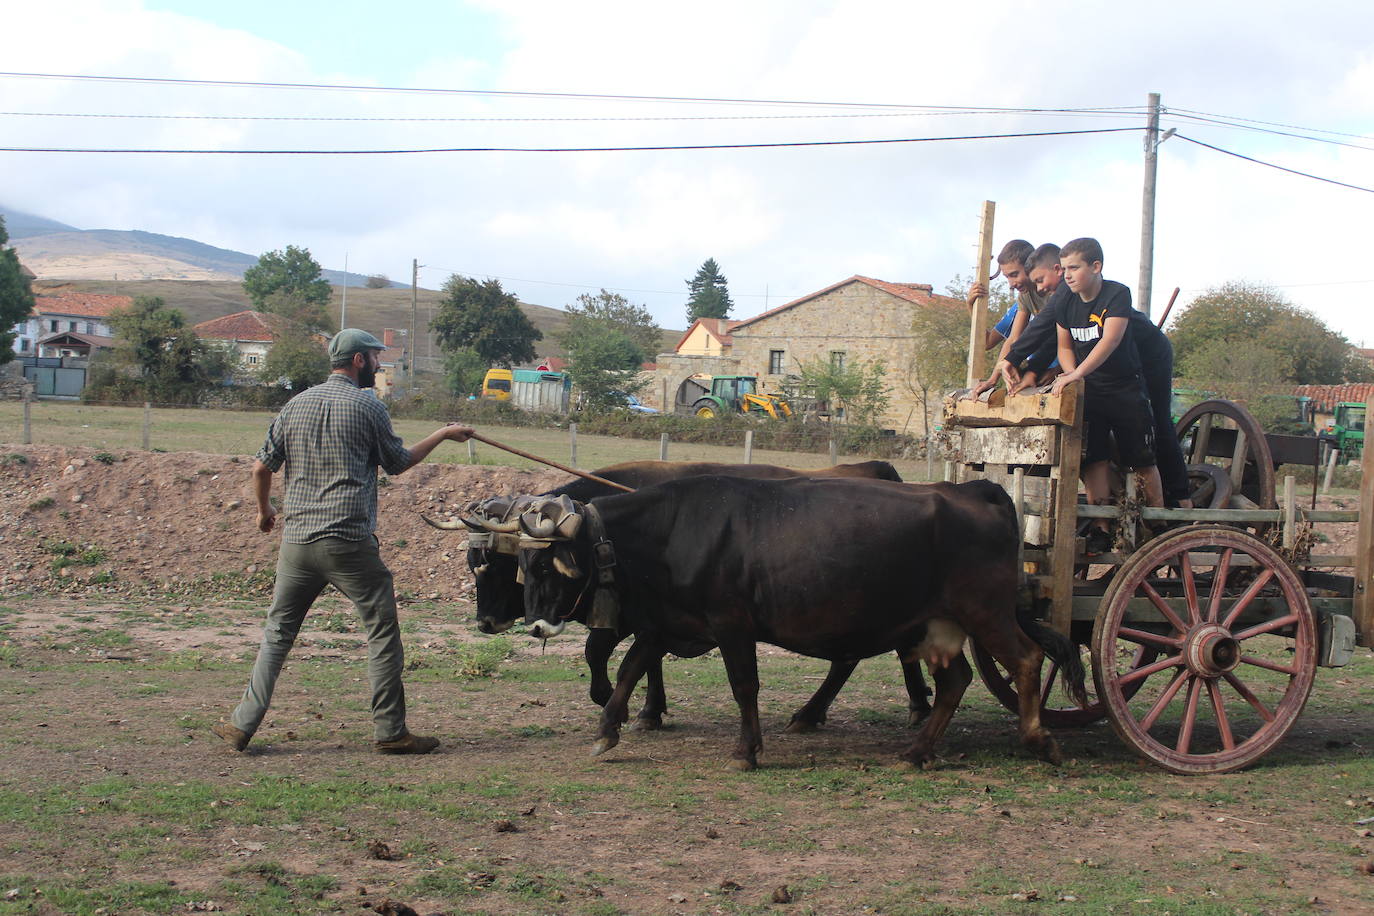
column 1095, row 345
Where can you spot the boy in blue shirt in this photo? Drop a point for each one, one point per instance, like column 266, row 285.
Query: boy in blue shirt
column 1095, row 345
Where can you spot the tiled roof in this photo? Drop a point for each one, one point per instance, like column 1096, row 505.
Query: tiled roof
column 249, row 325
column 917, row 293
column 80, row 305
column 1326, row 397
column 719, row 328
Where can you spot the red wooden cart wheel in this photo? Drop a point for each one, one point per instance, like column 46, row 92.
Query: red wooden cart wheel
column 1067, row 714
column 1237, row 654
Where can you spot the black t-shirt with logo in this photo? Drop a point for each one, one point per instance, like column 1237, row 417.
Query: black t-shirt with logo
column 1085, row 322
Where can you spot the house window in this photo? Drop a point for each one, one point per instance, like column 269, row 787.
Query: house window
column 71, row 326
column 52, row 325
column 89, row 328
column 24, row 343
column 837, row 360
column 775, row 358
column 252, row 359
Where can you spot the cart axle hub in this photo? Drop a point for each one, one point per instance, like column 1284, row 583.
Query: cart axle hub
column 1212, row 651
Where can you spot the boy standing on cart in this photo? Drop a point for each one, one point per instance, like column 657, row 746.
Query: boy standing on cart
column 1094, row 327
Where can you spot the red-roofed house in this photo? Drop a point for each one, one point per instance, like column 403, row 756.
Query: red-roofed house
column 250, row 334
column 706, row 337
column 860, row 319
column 67, row 324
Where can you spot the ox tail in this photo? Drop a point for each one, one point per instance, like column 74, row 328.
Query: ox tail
column 1059, row 648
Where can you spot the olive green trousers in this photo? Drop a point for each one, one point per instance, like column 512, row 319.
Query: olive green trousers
column 356, row 569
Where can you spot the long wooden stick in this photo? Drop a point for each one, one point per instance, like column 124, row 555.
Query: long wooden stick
column 553, row 464
column 1165, row 316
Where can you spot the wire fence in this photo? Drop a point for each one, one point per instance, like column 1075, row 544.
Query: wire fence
column 153, row 427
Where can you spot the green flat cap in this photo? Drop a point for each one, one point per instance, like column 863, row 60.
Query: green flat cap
column 350, row 341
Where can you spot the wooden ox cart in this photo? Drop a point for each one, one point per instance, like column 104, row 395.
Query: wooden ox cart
column 1205, row 639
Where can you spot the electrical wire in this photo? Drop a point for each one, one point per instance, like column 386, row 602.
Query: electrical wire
column 1194, row 119
column 1343, row 184
column 562, row 149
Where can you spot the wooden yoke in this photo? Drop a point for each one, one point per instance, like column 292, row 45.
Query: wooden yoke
column 1363, row 602
column 978, row 320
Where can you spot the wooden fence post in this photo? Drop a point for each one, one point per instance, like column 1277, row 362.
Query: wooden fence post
column 147, row 423
column 572, row 444
column 28, row 433
column 472, row 452
column 1331, row 458
column 834, row 452
column 1290, row 512
column 663, row 446
column 748, row 446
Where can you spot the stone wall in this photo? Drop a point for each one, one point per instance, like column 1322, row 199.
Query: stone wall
column 673, row 369
column 863, row 322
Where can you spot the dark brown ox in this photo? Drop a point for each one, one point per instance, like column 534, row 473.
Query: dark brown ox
column 834, row 569
column 501, row 602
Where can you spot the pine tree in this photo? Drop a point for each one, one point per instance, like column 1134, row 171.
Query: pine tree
column 16, row 298
column 710, row 296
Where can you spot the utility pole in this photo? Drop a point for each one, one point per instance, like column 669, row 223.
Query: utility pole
column 414, row 293
column 343, row 309
column 1147, row 207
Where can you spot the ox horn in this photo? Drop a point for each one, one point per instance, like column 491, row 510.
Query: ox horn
column 551, row 518
column 461, row 525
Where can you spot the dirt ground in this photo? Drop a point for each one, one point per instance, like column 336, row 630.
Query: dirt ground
column 115, row 798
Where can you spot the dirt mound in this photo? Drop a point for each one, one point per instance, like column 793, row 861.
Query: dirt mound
column 134, row 522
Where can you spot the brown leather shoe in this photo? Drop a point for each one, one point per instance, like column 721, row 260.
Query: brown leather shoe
column 407, row 744
column 236, row 739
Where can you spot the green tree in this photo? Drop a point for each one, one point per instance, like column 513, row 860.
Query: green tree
column 297, row 357
column 939, row 351
column 484, row 318
column 1263, row 324
column 16, row 296
column 464, row 370
column 710, row 296
column 859, row 388
column 604, row 366
column 168, row 359
column 291, row 270
column 614, row 311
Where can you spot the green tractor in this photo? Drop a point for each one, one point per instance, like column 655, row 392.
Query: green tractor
column 1346, row 430
column 735, row 394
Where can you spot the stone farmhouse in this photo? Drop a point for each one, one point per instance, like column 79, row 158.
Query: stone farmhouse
column 71, row 325
column 858, row 320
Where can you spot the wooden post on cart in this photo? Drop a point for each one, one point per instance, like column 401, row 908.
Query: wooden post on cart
column 978, row 321
column 1363, row 603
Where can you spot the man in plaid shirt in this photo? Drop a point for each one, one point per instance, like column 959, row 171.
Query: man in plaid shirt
column 332, row 438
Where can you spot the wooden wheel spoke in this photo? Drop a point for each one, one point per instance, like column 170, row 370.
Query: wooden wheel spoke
column 1185, row 732
column 1266, row 663
column 1148, row 721
column 1185, row 567
column 1139, row 674
column 1219, row 584
column 1244, row 600
column 1248, row 696
column 1049, row 682
column 1266, row 627
column 1145, row 638
column 1163, row 606
column 1228, row 741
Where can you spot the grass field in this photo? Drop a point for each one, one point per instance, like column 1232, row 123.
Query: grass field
column 231, row 432
column 116, row 799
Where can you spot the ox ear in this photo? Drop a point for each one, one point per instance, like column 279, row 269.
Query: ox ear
column 565, row 562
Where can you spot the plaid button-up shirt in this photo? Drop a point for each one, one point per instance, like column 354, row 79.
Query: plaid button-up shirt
column 332, row 438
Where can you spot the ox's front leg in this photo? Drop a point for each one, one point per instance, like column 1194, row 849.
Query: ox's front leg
column 951, row 680
column 918, row 695
column 650, row 718
column 616, row 711
column 1023, row 658
column 740, row 655
column 601, row 642
column 810, row 716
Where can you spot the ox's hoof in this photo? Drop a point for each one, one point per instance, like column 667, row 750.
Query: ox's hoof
column 915, row 717
column 1048, row 751
column 643, row 723
column 604, row 744
column 801, row 726
column 743, row 764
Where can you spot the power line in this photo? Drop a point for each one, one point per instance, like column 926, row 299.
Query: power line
column 561, row 149
column 1265, row 130
column 1353, row 187
column 1314, row 130
column 505, row 93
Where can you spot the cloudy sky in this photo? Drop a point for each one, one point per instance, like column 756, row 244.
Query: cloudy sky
column 782, row 222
